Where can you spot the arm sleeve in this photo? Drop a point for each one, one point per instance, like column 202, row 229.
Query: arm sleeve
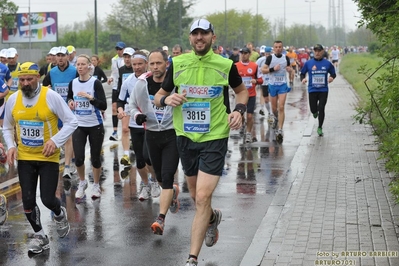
column 58, row 106
column 70, row 91
column 99, row 101
column 167, row 83
column 102, row 77
column 235, row 79
column 133, row 105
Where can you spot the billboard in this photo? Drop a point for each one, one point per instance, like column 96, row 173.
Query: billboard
column 42, row 28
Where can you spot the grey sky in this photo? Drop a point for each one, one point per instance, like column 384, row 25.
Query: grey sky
column 296, row 11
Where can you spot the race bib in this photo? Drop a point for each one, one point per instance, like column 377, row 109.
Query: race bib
column 82, row 106
column 196, row 117
column 159, row 111
column 14, row 85
column 31, row 133
column 125, row 76
column 247, row 82
column 279, row 79
column 61, row 89
column 318, row 80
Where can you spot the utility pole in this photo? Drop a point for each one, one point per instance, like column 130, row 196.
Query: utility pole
column 95, row 28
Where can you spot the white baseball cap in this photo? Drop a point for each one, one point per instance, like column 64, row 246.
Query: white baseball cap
column 11, row 52
column 201, row 24
column 3, row 53
column 129, row 50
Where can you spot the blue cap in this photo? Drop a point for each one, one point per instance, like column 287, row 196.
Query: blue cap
column 120, row 45
column 268, row 49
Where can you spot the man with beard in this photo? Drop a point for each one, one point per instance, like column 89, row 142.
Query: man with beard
column 202, row 120
column 59, row 78
column 34, row 112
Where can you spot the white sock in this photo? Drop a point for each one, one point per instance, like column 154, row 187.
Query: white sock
column 41, row 233
column 267, row 106
column 126, row 153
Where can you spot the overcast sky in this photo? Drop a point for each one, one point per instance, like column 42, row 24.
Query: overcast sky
column 296, row 11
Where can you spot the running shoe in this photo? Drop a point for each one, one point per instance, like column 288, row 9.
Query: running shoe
column 320, row 132
column 254, row 139
column 145, row 192
column 157, row 226
column 125, row 160
column 248, row 137
column 114, row 137
column 175, row 204
column 191, row 262
column 96, row 191
column 3, row 209
column 39, row 244
column 212, row 234
column 67, row 173
column 62, row 223
column 315, row 115
column 275, row 122
column 261, row 112
column 279, row 136
column 270, row 119
column 80, row 193
column 155, row 189
column 72, row 169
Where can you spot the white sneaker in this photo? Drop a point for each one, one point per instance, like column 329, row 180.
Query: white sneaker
column 248, row 137
column 67, row 173
column 145, row 192
column 270, row 119
column 114, row 137
column 80, row 193
column 96, row 191
column 155, row 189
column 72, row 169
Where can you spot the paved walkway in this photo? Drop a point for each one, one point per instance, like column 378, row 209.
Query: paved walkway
column 336, row 198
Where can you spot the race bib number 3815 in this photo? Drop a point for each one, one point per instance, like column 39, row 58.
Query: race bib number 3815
column 196, row 117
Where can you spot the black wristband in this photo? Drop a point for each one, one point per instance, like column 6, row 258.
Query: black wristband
column 271, row 69
column 162, row 101
column 241, row 108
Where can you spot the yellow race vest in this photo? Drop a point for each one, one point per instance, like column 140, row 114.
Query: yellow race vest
column 35, row 126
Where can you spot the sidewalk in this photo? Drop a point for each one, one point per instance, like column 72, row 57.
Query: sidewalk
column 335, row 208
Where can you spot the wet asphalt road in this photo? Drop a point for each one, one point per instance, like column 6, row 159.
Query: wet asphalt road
column 115, row 230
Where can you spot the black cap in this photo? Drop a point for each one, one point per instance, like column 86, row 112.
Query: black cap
column 245, row 50
column 318, row 47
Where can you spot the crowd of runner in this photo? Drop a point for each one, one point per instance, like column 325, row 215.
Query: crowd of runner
column 170, row 110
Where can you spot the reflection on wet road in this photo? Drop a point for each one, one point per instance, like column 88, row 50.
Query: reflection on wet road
column 115, row 230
